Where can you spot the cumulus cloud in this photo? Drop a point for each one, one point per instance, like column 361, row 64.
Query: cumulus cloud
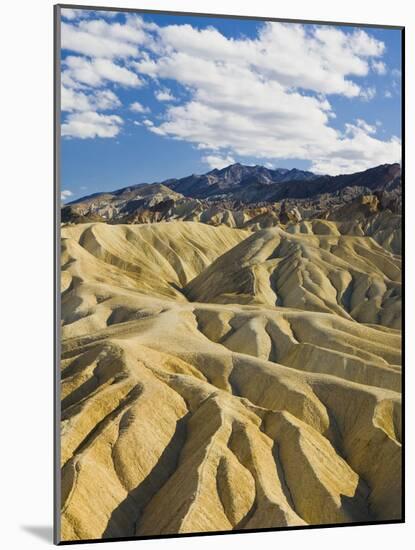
column 368, row 94
column 164, row 95
column 137, row 107
column 266, row 97
column 106, row 99
column 123, row 33
column 315, row 58
column 71, row 14
column 65, row 194
column 74, row 100
column 368, row 128
column 215, row 161
column 85, row 39
column 379, row 67
column 101, row 49
column 97, row 71
column 356, row 151
column 90, row 124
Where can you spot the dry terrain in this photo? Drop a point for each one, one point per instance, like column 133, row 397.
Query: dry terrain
column 217, row 378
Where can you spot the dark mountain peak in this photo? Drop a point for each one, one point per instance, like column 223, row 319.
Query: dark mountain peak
column 238, row 173
column 235, row 170
column 281, row 170
column 254, row 184
column 373, row 177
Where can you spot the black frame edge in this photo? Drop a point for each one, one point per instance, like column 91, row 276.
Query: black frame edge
column 233, row 16
column 56, row 276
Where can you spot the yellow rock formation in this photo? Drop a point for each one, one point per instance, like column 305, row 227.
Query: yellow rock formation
column 216, row 378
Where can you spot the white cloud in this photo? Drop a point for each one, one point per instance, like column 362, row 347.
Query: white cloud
column 137, row 107
column 74, row 100
column 215, row 161
column 315, row 58
column 157, row 130
column 164, row 95
column 92, row 35
column 69, row 82
column 368, row 128
column 99, row 43
column 368, row 94
column 71, row 14
column 379, row 67
column 388, row 94
column 65, row 194
column 357, row 151
column 82, row 39
column 266, row 97
column 106, row 99
column 363, row 44
column 123, row 33
column 137, row 21
column 90, row 124
column 106, row 14
column 97, row 71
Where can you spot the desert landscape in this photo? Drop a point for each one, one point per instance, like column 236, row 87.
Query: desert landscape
column 231, row 353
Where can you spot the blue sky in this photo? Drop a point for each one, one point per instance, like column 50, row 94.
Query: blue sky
column 150, row 97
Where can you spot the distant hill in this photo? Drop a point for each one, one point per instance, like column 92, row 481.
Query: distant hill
column 237, row 194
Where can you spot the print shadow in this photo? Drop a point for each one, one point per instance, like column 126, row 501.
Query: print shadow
column 42, row 532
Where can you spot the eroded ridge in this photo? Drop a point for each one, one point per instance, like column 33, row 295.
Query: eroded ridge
column 215, row 378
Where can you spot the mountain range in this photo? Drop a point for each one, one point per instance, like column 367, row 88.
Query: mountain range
column 237, row 191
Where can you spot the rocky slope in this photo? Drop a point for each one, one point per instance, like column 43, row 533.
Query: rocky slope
column 376, row 216
column 237, row 194
column 219, row 378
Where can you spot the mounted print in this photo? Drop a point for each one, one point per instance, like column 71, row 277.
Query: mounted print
column 228, row 230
